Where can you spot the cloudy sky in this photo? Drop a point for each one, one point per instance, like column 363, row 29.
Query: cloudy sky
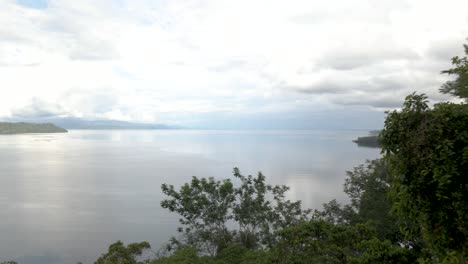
column 225, row 64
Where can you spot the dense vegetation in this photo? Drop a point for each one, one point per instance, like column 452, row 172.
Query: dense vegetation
column 20, row 128
column 254, row 223
column 427, row 150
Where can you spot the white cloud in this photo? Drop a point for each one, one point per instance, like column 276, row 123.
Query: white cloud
column 167, row 61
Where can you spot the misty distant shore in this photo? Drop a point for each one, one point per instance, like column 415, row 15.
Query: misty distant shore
column 79, row 123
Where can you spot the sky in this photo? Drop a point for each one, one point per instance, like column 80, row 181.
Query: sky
column 225, row 64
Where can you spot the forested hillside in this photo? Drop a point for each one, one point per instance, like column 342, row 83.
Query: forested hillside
column 20, row 128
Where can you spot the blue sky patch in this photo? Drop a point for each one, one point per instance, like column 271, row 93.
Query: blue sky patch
column 37, row 4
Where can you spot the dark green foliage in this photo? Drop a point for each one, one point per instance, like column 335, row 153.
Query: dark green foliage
column 459, row 86
column 427, row 153
column 17, row 128
column 184, row 255
column 325, row 242
column 334, row 212
column 238, row 254
column 9, row 262
column 362, row 232
column 119, row 254
column 367, row 186
column 206, row 206
column 378, row 251
column 279, row 231
column 233, row 254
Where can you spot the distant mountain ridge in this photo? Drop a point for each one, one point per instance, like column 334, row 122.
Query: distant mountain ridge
column 23, row 128
column 78, row 123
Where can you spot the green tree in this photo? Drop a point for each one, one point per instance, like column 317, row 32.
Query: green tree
column 204, row 206
column 459, row 86
column 254, row 210
column 183, row 255
column 427, row 153
column 367, row 186
column 319, row 241
column 118, row 253
column 233, row 254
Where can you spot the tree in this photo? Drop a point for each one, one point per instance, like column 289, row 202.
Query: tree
column 204, row 206
column 233, row 254
column 118, row 253
column 319, row 241
column 459, row 86
column 427, row 154
column 255, row 211
column 367, row 186
column 184, row 255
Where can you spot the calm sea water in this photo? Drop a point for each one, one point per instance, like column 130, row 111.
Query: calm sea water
column 65, row 197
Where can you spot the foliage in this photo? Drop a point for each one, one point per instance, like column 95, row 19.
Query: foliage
column 459, row 86
column 367, row 186
column 320, row 241
column 427, row 153
column 207, row 206
column 184, row 255
column 204, row 205
column 238, row 254
column 119, row 254
column 360, row 232
column 233, row 254
column 336, row 213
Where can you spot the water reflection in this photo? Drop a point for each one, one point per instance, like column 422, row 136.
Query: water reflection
column 66, row 197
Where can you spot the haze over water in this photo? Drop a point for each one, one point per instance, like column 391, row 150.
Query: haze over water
column 66, row 197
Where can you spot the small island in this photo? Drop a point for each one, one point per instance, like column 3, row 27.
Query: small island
column 7, row 128
column 371, row 141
